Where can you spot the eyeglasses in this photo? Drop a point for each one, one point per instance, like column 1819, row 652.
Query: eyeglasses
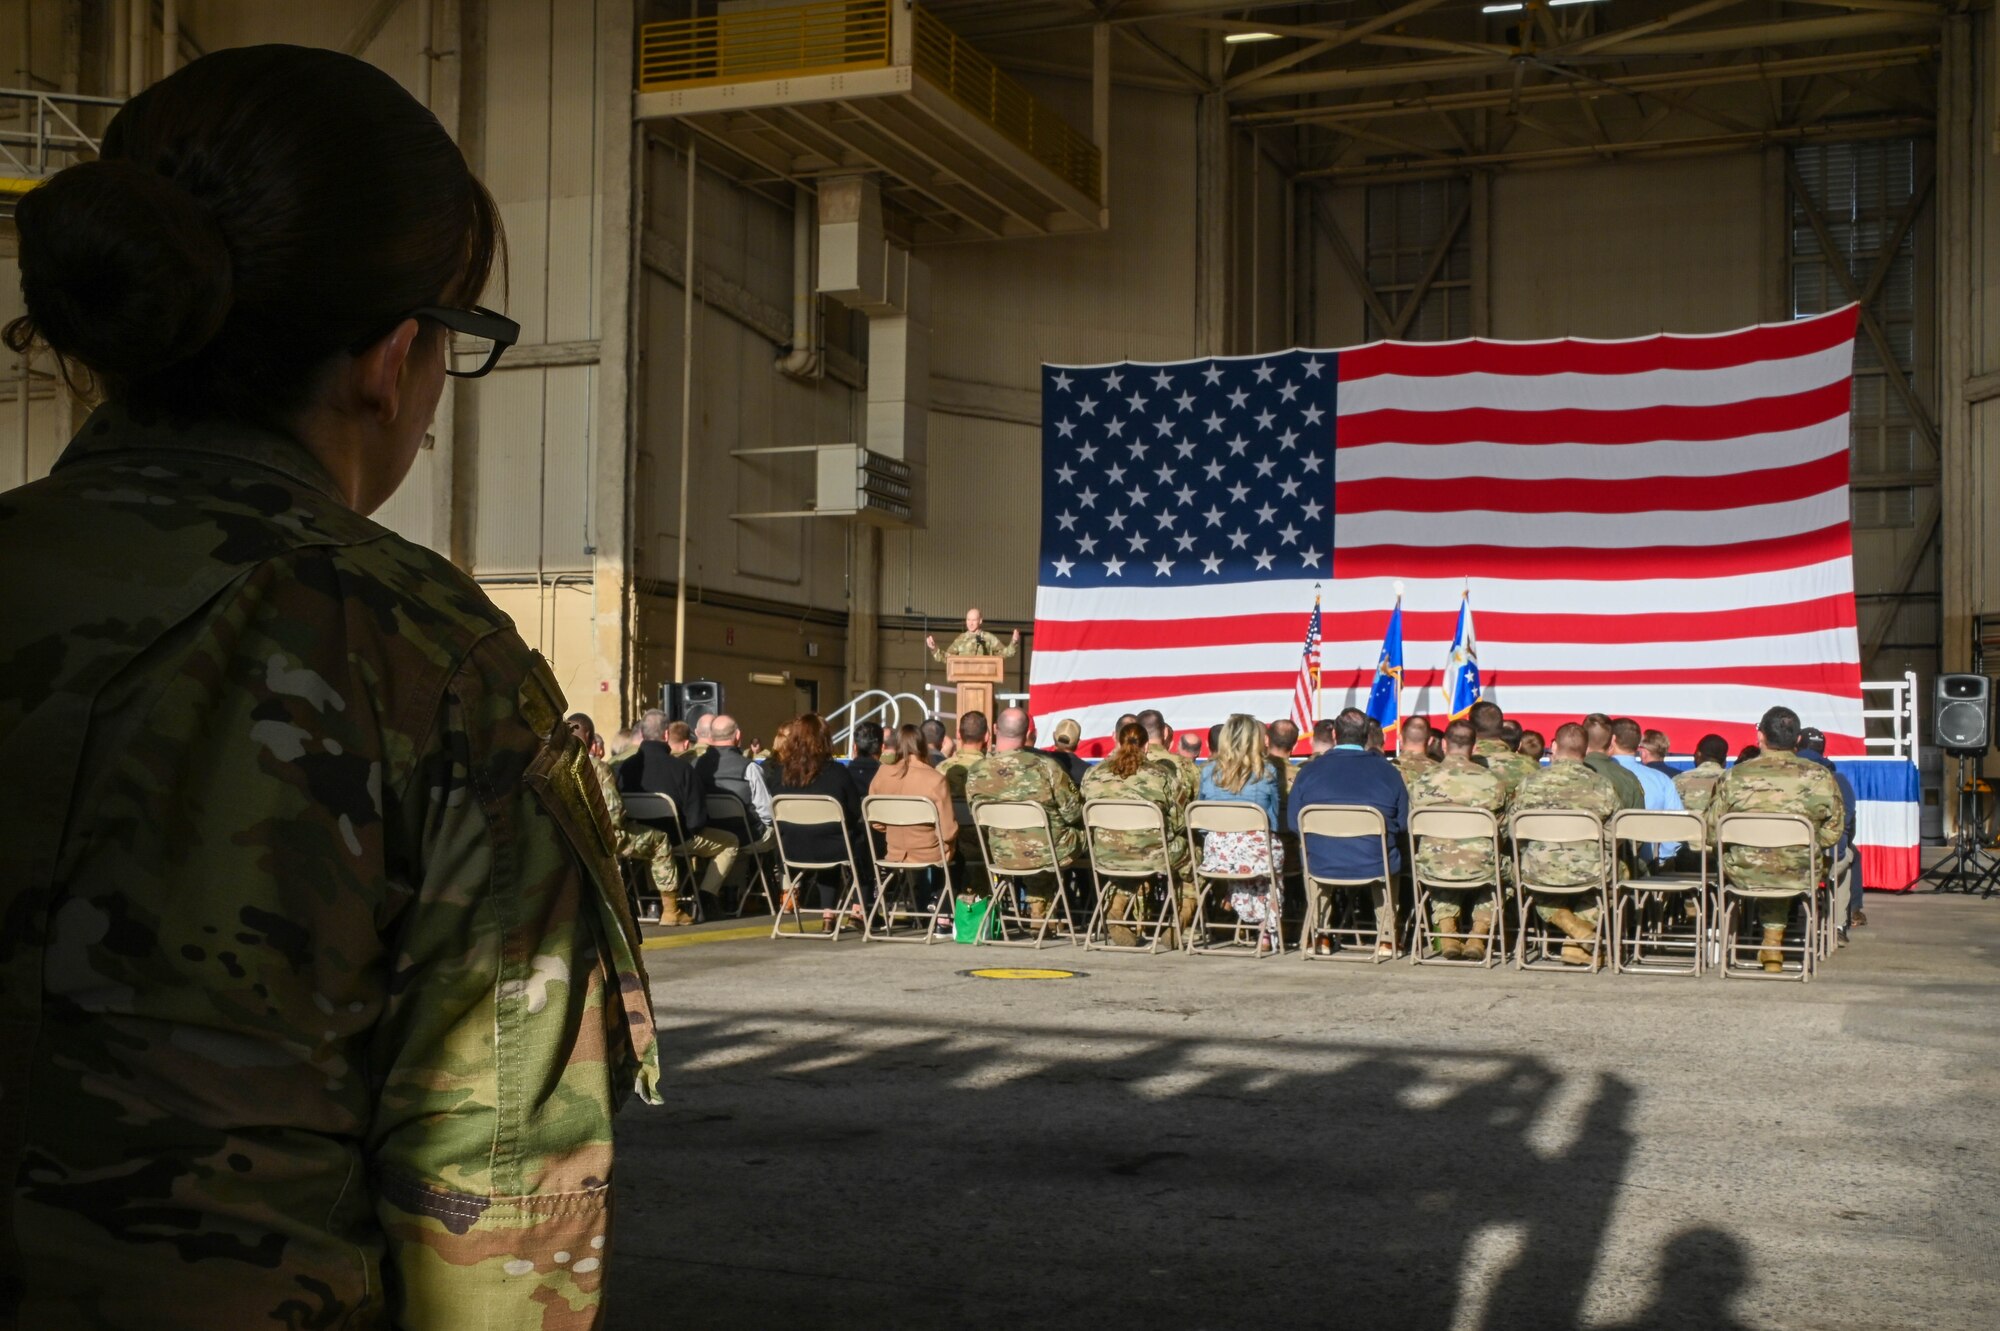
column 469, row 328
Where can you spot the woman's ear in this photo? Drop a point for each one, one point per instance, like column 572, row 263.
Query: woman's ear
column 376, row 378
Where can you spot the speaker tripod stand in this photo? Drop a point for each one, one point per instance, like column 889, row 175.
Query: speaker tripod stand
column 1968, row 868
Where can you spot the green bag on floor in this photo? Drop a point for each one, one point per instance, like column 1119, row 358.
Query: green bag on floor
column 968, row 920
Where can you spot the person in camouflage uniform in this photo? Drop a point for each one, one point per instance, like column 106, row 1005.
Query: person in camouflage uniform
column 1566, row 783
column 1777, row 780
column 1696, row 786
column 971, row 752
column 1128, row 774
column 318, row 987
column 1460, row 781
column 1488, row 722
column 1160, row 748
column 1413, row 756
column 1016, row 772
column 635, row 841
column 1597, row 756
column 975, row 641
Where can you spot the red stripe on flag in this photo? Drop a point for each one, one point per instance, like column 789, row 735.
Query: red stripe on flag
column 1569, row 425
column 1606, row 563
column 1529, row 359
column 1664, row 495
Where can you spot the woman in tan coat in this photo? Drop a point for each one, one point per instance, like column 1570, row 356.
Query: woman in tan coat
column 904, row 772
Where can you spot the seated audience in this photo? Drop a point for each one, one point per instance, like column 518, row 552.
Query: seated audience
column 1160, row 745
column 1014, row 772
column 1597, row 757
column 1746, row 753
column 971, row 752
column 934, row 738
column 726, row 770
column 1130, row 774
column 632, row 840
column 1568, row 782
column 1190, row 744
column 1413, row 756
column 904, row 773
column 1062, row 749
column 1812, row 748
column 1660, row 794
column 1462, row 781
column 660, row 769
column 867, row 753
column 1489, row 727
column 1777, row 780
column 1510, row 734
column 1322, row 737
column 1654, row 746
column 1533, row 745
column 1349, row 774
column 1696, row 785
column 804, row 766
column 1243, row 771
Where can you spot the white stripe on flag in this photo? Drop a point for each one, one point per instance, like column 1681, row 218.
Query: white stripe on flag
column 1604, row 531
column 1597, row 462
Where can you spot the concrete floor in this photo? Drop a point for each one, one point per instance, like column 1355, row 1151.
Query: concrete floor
column 858, row 1136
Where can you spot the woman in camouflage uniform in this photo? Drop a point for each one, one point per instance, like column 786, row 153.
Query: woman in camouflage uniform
column 1128, row 774
column 317, row 984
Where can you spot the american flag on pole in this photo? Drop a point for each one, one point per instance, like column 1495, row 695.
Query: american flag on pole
column 1655, row 528
column 1305, row 694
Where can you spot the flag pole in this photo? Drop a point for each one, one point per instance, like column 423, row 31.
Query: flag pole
column 1319, row 681
column 1400, row 718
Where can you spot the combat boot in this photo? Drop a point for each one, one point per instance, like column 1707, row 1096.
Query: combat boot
column 1474, row 947
column 1116, row 913
column 1578, row 952
column 1770, row 956
column 671, row 914
column 1450, row 946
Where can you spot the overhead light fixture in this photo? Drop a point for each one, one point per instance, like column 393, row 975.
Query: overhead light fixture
column 1500, row 9
column 1238, row 38
column 1558, row 4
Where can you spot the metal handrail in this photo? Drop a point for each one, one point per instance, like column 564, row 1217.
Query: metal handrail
column 890, row 706
column 1902, row 741
column 46, row 130
column 793, row 41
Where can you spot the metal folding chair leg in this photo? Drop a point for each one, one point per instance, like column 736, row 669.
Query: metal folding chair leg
column 1134, row 893
column 1059, row 925
column 1539, row 959
column 1805, row 951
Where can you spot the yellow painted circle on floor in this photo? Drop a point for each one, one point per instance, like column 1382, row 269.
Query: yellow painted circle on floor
column 1021, row 973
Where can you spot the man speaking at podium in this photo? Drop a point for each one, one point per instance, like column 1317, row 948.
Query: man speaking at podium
column 975, row 641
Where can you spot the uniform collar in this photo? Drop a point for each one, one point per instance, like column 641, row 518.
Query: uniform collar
column 112, row 430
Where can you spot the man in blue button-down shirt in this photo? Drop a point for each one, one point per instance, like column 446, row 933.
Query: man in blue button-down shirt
column 1660, row 793
column 1349, row 774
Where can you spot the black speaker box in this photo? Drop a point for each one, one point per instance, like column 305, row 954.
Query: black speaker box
column 1962, row 713
column 691, row 700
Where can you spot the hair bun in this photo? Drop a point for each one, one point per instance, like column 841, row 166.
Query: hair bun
column 122, row 269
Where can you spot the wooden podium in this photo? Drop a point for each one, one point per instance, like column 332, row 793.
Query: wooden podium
column 975, row 677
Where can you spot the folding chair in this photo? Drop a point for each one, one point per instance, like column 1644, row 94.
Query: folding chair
column 812, row 811
column 1567, row 827
column 1205, row 818
column 1840, row 883
column 1003, row 910
column 1453, row 822
column 1139, row 886
column 726, row 808
column 896, row 880
column 1769, row 831
column 1633, row 897
column 649, row 807
column 1324, row 911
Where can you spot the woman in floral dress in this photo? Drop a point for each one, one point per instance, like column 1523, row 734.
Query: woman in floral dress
column 1243, row 771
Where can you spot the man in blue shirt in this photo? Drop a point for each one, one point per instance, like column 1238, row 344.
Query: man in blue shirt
column 1349, row 774
column 1659, row 787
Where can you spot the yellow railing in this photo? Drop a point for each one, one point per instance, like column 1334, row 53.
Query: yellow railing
column 792, row 42
column 827, row 38
column 978, row 85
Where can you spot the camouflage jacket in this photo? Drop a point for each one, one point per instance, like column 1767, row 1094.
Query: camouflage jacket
column 1631, row 795
column 1186, row 770
column 1157, row 783
column 958, row 768
column 1410, row 766
column 1776, row 782
column 317, row 983
column 1696, row 787
column 1512, row 769
column 1020, row 774
column 1463, row 782
column 1564, row 784
column 981, row 643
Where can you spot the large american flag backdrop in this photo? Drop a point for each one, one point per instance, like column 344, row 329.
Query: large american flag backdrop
column 1655, row 528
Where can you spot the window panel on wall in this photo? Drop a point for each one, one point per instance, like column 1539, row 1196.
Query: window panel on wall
column 1861, row 192
column 1407, row 222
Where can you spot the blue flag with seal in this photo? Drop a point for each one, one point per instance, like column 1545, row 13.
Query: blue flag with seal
column 1461, row 671
column 1385, row 697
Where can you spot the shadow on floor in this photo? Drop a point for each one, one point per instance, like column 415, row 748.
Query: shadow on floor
column 858, row 1174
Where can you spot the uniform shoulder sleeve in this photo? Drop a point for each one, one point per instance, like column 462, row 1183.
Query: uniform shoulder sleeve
column 517, row 1020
